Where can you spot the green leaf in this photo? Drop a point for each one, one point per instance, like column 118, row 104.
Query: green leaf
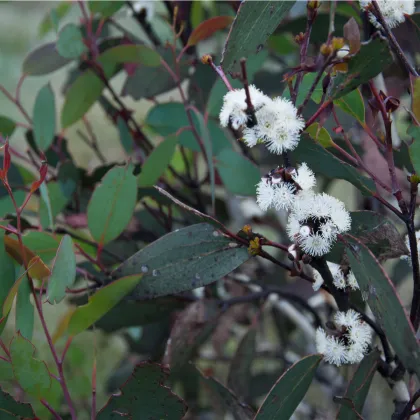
column 31, row 374
column 100, row 303
column 227, row 398
column 43, row 60
column 7, row 276
column 134, row 54
column 324, row 162
column 358, row 388
column 70, row 42
column 383, row 300
column 415, row 102
column 320, row 135
column 53, row 17
column 44, row 121
column 373, row 58
column 7, row 126
column 166, row 119
column 239, row 175
column 68, row 177
column 16, row 409
column 144, row 396
column 42, row 243
column 157, row 162
column 24, row 310
column 289, row 390
column 63, row 271
column 125, row 135
column 414, row 148
column 353, row 104
column 112, row 204
column 183, row 260
column 105, row 8
column 239, row 378
column 52, row 197
column 306, row 84
column 254, row 23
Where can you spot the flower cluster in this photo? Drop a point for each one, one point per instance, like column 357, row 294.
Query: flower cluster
column 393, row 11
column 340, row 280
column 234, row 109
column 279, row 187
column 315, row 221
column 278, row 123
column 350, row 341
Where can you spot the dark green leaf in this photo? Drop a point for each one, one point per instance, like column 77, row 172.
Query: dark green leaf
column 70, row 42
column 44, row 118
column 31, row 374
column 144, row 396
column 41, row 243
column 383, row 300
column 353, row 104
column 133, row 54
column 227, row 399
column 24, row 311
column 157, row 162
column 125, row 135
column 289, row 390
column 99, row 304
column 16, row 409
column 43, row 60
column 63, row 271
column 359, row 387
column 254, row 23
column 306, row 84
column 105, row 8
column 239, row 379
column 414, row 148
column 53, row 17
column 52, row 197
column 239, row 175
column 402, row 158
column 147, row 82
column 7, row 275
column 68, row 177
column 323, row 162
column 7, row 126
column 183, row 260
column 112, row 204
column 373, row 58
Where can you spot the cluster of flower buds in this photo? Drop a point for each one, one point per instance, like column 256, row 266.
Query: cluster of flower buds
column 340, row 279
column 348, row 339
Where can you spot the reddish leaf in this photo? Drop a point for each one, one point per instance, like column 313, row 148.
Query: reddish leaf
column 6, row 161
column 352, row 35
column 42, row 174
column 207, row 28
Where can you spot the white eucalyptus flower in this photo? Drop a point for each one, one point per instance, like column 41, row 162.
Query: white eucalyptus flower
column 138, row 6
column 353, row 343
column 325, row 216
column 279, row 126
column 234, row 107
column 340, row 280
column 393, row 11
column 280, row 194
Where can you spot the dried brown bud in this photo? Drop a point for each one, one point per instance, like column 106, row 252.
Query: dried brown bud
column 391, row 104
column 300, row 38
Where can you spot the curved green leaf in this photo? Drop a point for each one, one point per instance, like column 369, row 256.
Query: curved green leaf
column 43, row 60
column 183, row 260
column 255, row 21
column 16, row 409
column 31, row 374
column 24, row 310
column 239, row 175
column 353, row 104
column 289, row 390
column 63, row 271
column 157, row 162
column 70, row 42
column 105, row 8
column 383, row 300
column 358, row 388
column 44, row 120
column 320, row 134
column 7, row 126
column 53, row 17
column 112, row 204
column 99, row 304
column 144, row 396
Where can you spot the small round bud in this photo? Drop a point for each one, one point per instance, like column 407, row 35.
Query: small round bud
column 206, row 59
column 326, row 49
column 300, row 38
column 313, row 5
column 337, row 43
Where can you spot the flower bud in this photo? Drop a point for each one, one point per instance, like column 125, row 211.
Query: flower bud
column 326, row 49
column 337, row 43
